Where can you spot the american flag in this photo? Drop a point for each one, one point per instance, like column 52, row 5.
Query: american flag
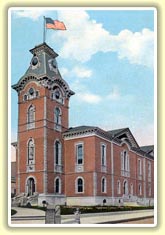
column 54, row 24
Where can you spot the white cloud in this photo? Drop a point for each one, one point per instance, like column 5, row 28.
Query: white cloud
column 82, row 37
column 137, row 47
column 83, row 94
column 64, row 72
column 32, row 14
column 89, row 97
column 77, row 71
column 85, row 37
column 82, row 72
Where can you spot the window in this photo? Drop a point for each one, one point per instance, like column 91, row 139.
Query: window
column 103, row 154
column 149, row 169
column 58, row 185
column 79, row 185
column 31, row 117
column 79, row 154
column 31, row 91
column 25, row 97
column 58, row 157
column 125, row 169
column 57, row 118
column 125, row 161
column 31, row 94
column 125, row 187
column 131, row 189
column 57, row 153
column 103, row 185
column 118, row 187
column 149, row 189
column 57, row 95
column 140, row 189
column 139, row 169
column 31, row 152
column 37, row 93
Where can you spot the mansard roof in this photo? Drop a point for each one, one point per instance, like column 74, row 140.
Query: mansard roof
column 45, row 71
column 115, row 132
column 118, row 136
column 148, row 150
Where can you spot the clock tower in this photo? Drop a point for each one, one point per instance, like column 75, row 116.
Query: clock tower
column 43, row 103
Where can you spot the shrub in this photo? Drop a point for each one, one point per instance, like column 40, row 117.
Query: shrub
column 66, row 210
column 13, row 212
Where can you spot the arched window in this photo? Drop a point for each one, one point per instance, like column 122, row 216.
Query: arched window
column 58, row 185
column 103, row 185
column 57, row 152
column 149, row 189
column 31, row 117
column 103, row 154
column 149, row 169
column 131, row 189
column 80, row 154
column 30, row 186
column 125, row 166
column 139, row 170
column 140, row 189
column 125, row 187
column 80, row 185
column 57, row 95
column 31, row 152
column 118, row 187
column 57, row 118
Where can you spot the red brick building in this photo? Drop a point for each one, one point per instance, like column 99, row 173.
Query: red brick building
column 83, row 165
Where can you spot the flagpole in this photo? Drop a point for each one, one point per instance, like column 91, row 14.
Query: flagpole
column 44, row 31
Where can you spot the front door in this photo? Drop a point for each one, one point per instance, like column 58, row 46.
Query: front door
column 125, row 187
column 30, row 186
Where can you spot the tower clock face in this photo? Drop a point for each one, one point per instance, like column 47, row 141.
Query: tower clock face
column 31, row 91
column 57, row 94
column 34, row 61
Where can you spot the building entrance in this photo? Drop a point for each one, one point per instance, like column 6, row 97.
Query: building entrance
column 30, row 186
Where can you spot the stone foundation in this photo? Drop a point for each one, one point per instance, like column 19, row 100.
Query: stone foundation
column 51, row 199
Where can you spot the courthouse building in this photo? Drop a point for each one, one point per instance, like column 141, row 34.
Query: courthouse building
column 81, row 165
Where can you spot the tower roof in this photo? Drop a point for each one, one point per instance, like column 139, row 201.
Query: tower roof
column 44, row 47
column 44, row 70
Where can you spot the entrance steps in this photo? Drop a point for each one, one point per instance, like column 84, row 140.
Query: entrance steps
column 24, row 200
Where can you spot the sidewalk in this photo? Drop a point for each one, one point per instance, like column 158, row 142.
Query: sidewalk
column 109, row 217
column 27, row 212
column 34, row 216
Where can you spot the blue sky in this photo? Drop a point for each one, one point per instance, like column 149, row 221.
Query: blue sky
column 107, row 58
